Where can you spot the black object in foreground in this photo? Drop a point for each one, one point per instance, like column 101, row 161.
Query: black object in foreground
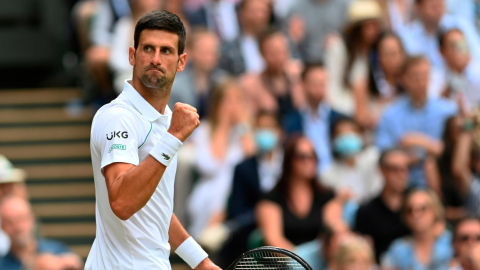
column 269, row 258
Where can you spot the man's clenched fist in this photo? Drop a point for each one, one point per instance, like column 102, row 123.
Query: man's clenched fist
column 185, row 120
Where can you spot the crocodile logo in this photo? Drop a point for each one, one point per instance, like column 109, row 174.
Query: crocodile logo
column 165, row 156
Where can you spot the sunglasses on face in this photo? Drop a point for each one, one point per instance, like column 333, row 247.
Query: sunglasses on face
column 417, row 209
column 468, row 237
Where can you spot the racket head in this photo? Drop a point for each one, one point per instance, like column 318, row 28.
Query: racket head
column 272, row 258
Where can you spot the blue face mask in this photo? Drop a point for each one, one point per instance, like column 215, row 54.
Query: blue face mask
column 347, row 145
column 266, row 140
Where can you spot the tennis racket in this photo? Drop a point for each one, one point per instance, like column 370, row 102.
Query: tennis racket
column 271, row 258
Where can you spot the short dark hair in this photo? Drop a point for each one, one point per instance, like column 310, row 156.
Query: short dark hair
column 382, row 161
column 412, row 61
column 267, row 34
column 161, row 20
column 311, row 66
column 469, row 217
column 268, row 113
column 443, row 35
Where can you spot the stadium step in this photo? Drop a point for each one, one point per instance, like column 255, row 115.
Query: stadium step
column 47, row 137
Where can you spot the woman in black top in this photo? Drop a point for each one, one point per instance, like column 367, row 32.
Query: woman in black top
column 298, row 207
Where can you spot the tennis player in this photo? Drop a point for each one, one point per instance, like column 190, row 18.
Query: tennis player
column 134, row 141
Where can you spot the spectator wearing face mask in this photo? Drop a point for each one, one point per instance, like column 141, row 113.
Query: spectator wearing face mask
column 316, row 117
column 463, row 72
column 252, row 179
column 415, row 121
column 354, row 168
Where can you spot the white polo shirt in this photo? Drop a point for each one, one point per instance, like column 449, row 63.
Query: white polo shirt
column 125, row 130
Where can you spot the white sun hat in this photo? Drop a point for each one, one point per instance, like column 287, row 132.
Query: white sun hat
column 9, row 174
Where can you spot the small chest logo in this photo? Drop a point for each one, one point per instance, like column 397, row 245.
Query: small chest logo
column 117, row 146
column 117, row 134
column 165, row 156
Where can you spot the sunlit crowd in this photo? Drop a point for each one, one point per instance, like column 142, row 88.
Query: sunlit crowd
column 347, row 131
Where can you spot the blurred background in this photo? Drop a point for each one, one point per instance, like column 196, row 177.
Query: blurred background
column 347, row 131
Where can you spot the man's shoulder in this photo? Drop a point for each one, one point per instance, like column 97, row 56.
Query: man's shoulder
column 116, row 110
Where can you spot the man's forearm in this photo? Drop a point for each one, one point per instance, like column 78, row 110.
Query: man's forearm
column 176, row 233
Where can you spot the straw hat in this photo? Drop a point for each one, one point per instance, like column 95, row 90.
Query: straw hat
column 362, row 10
column 9, row 174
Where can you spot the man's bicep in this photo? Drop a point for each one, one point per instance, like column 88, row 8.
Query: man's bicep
column 114, row 171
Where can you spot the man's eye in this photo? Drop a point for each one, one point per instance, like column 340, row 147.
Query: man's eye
column 167, row 51
column 148, row 48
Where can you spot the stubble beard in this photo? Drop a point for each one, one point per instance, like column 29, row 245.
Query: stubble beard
column 159, row 84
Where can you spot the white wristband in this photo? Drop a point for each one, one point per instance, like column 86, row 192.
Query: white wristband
column 166, row 149
column 191, row 252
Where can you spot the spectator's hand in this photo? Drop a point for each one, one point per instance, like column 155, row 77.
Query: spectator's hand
column 294, row 69
column 296, row 29
column 344, row 195
column 331, row 40
column 413, row 139
column 207, row 264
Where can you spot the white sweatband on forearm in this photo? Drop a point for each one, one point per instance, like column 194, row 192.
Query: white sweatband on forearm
column 191, row 252
column 166, row 148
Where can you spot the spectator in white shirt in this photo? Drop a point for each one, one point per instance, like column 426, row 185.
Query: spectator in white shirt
column 420, row 37
column 463, row 72
column 223, row 141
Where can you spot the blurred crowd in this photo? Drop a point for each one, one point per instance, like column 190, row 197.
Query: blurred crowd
column 347, row 131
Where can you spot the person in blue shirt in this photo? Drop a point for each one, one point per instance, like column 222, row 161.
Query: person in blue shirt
column 18, row 223
column 420, row 36
column 430, row 244
column 415, row 121
column 315, row 119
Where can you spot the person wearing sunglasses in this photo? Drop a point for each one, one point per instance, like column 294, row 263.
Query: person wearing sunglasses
column 381, row 218
column 429, row 245
column 298, row 207
column 466, row 237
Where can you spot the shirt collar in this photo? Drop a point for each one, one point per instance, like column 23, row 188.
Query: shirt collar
column 322, row 111
column 141, row 104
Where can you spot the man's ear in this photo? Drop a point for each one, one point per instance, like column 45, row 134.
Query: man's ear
column 131, row 56
column 182, row 60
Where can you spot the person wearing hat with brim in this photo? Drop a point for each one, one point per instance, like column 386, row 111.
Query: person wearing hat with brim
column 12, row 182
column 347, row 59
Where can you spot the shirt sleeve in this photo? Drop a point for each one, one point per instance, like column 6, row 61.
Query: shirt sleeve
column 384, row 139
column 117, row 138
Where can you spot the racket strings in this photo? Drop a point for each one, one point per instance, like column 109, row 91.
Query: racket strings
column 268, row 260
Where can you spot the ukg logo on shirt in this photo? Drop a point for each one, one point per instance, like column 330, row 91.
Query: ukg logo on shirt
column 117, row 146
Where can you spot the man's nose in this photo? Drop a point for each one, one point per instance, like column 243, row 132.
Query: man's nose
column 156, row 60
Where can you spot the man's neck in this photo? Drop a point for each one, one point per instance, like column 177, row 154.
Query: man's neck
column 418, row 103
column 431, row 27
column 313, row 105
column 153, row 96
column 393, row 200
